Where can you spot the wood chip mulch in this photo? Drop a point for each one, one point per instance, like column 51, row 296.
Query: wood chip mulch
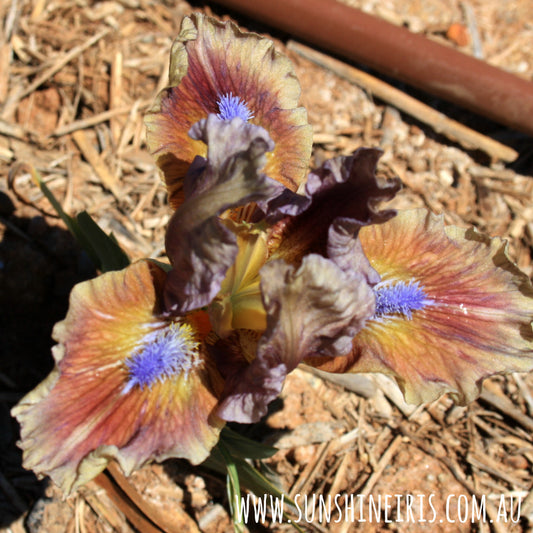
column 75, row 80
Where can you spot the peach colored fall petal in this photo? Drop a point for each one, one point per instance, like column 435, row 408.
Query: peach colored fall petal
column 216, row 68
column 127, row 385
column 451, row 309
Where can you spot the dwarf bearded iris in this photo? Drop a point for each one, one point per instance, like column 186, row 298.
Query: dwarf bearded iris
column 151, row 363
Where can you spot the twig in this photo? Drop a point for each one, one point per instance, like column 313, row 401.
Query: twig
column 38, row 8
column 458, row 474
column 477, row 48
column 439, row 122
column 524, row 391
column 97, row 119
column 5, row 59
column 126, row 506
column 96, row 161
column 100, row 502
column 81, row 505
column 12, row 130
column 527, row 506
column 128, row 128
column 11, row 20
column 154, row 514
column 503, row 404
column 340, row 475
column 484, row 462
column 311, row 468
column 115, row 94
column 374, row 477
column 382, row 464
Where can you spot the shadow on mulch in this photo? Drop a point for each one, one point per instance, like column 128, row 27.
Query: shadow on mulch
column 39, row 264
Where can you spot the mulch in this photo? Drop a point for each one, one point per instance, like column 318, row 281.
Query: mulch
column 76, row 79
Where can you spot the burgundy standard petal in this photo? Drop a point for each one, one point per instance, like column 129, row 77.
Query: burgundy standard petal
column 312, row 310
column 344, row 187
column 199, row 245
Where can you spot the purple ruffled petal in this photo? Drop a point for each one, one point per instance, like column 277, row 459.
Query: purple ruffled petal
column 313, row 310
column 345, row 187
column 346, row 251
column 199, row 245
column 287, row 203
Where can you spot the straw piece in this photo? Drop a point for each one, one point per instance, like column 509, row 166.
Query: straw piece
column 178, row 522
column 115, row 95
column 491, row 395
column 104, row 116
column 12, row 130
column 38, row 8
column 5, row 55
column 126, row 506
column 459, row 475
column 96, row 161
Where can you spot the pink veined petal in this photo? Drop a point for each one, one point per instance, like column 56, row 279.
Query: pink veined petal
column 88, row 411
column 476, row 321
column 210, row 59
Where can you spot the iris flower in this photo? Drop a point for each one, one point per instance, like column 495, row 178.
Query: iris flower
column 136, row 376
column 150, row 364
column 218, row 69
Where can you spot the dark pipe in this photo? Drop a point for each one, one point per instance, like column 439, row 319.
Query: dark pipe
column 395, row 51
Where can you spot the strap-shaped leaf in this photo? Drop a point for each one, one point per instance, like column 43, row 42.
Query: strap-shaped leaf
column 103, row 249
